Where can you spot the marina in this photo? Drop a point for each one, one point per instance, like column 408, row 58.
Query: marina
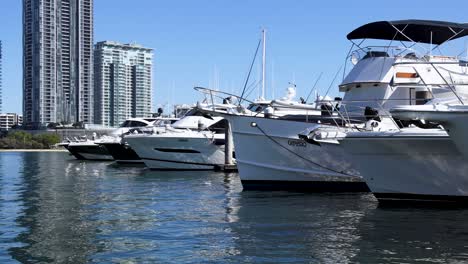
column 263, row 133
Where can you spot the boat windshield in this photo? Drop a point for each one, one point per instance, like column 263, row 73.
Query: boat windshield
column 164, row 122
column 385, row 51
column 257, row 107
column 133, row 123
column 194, row 112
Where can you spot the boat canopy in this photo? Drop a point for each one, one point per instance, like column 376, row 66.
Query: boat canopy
column 411, row 30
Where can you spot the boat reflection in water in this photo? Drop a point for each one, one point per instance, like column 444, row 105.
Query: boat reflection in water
column 343, row 229
column 104, row 213
column 408, row 235
column 299, row 228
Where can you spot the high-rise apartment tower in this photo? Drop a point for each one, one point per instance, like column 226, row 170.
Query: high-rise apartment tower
column 57, row 61
column 123, row 82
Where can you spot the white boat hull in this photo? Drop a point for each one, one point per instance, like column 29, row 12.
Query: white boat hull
column 177, row 153
column 453, row 118
column 409, row 167
column 270, row 155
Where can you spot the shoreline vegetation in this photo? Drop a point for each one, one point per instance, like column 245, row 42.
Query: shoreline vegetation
column 22, row 141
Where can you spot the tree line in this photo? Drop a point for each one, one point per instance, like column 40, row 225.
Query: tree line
column 25, row 140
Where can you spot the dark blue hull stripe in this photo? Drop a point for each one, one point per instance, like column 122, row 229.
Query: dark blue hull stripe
column 182, row 162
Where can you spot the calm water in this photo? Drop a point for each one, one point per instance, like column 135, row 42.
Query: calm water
column 56, row 209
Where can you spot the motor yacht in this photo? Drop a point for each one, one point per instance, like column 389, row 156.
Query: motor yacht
column 195, row 142
column 118, row 147
column 381, row 77
column 415, row 160
column 271, row 156
column 89, row 149
column 452, row 116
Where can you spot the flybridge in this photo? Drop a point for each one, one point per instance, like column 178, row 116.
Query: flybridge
column 409, row 73
column 416, row 32
column 419, row 31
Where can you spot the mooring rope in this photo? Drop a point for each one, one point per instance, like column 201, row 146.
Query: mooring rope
column 294, row 153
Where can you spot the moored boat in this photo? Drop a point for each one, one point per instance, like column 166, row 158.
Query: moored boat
column 90, row 149
column 414, row 161
column 381, row 78
column 195, row 142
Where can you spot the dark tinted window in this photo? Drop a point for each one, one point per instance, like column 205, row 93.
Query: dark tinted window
column 219, row 127
column 125, row 124
column 137, row 124
column 194, row 112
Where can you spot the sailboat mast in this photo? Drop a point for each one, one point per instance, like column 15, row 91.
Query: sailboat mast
column 263, row 62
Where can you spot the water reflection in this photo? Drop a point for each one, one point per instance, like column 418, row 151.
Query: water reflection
column 56, row 209
column 54, row 214
column 299, row 228
column 10, row 204
column 413, row 235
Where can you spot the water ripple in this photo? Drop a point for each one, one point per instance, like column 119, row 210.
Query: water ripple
column 55, row 209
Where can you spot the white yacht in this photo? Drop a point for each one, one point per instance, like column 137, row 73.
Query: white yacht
column 119, row 149
column 453, row 116
column 89, row 149
column 415, row 159
column 195, row 142
column 381, row 78
column 270, row 155
column 407, row 164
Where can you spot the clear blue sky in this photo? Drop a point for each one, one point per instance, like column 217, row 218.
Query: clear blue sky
column 194, row 39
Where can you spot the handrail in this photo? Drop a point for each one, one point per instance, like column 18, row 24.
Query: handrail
column 213, row 93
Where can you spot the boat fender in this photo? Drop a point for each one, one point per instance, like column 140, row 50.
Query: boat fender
column 200, row 125
column 372, row 125
column 268, row 112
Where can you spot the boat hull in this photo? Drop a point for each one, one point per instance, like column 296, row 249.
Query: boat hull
column 176, row 153
column 418, row 168
column 89, row 152
column 270, row 156
column 122, row 153
column 454, row 120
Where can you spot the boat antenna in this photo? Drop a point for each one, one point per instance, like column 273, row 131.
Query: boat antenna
column 250, row 71
column 273, row 77
column 263, row 62
column 313, row 88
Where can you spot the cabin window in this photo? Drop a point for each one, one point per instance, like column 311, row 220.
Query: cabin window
column 194, row 112
column 219, row 127
column 412, row 96
column 374, row 54
column 125, row 124
column 137, row 124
